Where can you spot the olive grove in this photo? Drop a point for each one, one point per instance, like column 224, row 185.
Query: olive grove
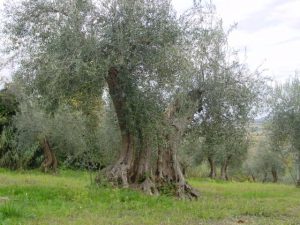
column 157, row 78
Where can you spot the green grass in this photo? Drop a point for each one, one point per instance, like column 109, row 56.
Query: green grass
column 68, row 198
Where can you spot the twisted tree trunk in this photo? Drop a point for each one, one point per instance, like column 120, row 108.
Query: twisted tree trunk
column 169, row 171
column 133, row 167
column 119, row 172
column 168, row 167
column 50, row 161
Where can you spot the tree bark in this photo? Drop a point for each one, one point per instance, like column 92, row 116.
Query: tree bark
column 168, row 166
column 50, row 161
column 169, row 171
column 119, row 172
column 224, row 167
column 142, row 175
column 213, row 172
column 184, row 168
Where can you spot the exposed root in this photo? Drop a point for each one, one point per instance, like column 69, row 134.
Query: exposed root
column 185, row 191
column 148, row 187
column 118, row 174
column 182, row 190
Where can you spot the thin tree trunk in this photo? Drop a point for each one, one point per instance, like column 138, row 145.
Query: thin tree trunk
column 224, row 174
column 226, row 167
column 265, row 177
column 274, row 175
column 212, row 173
column 223, row 170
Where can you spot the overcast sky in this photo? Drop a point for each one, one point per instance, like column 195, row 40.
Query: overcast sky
column 269, row 30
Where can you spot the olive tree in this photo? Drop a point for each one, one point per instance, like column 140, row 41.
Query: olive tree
column 285, row 120
column 152, row 63
column 264, row 163
column 67, row 138
column 231, row 96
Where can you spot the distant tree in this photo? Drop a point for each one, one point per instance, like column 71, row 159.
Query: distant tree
column 264, row 163
column 231, row 96
column 64, row 137
column 285, row 120
column 236, row 146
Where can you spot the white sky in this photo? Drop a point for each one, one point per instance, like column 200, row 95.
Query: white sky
column 269, row 30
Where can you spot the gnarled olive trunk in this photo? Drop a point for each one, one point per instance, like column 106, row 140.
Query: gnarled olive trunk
column 142, row 176
column 50, row 161
column 133, row 167
column 169, row 171
column 119, row 172
column 168, row 166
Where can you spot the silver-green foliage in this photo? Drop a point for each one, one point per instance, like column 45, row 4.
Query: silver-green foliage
column 263, row 162
column 231, row 97
column 285, row 120
column 69, row 136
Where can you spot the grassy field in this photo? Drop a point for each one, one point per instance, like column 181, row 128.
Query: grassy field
column 69, row 198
